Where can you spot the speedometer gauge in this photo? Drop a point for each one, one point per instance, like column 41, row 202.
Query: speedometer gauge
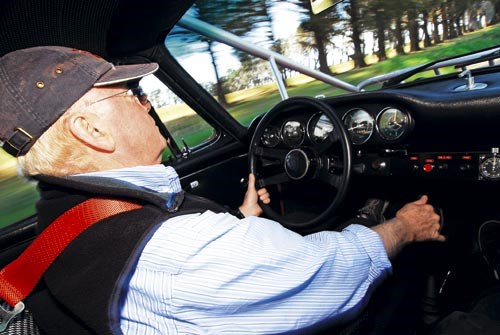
column 392, row 123
column 359, row 125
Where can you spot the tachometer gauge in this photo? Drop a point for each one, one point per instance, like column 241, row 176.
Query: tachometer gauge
column 359, row 125
column 490, row 168
column 319, row 127
column 293, row 133
column 392, row 123
column 271, row 137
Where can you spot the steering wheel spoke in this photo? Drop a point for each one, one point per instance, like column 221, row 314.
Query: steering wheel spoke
column 330, row 178
column 273, row 180
column 271, row 153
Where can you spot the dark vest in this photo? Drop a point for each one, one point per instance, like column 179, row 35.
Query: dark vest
column 83, row 290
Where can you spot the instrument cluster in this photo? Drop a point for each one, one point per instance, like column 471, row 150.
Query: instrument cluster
column 294, row 132
column 390, row 124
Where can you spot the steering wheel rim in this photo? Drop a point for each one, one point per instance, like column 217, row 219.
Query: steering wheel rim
column 343, row 138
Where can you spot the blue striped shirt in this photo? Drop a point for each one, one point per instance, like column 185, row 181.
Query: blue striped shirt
column 212, row 273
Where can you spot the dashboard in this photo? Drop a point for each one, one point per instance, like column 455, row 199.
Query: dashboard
column 425, row 130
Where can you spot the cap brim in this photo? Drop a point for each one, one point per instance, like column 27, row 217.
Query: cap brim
column 125, row 73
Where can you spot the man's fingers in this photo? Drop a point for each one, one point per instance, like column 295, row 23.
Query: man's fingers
column 264, row 196
column 422, row 201
column 441, row 238
column 265, row 199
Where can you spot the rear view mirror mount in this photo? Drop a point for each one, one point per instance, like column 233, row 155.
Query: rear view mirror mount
column 318, row 6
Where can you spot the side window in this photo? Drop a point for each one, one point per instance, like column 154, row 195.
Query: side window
column 17, row 195
column 185, row 126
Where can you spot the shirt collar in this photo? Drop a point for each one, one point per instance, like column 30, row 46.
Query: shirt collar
column 159, row 178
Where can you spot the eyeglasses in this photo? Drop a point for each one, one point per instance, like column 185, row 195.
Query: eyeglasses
column 136, row 91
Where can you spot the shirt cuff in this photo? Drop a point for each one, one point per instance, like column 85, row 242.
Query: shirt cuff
column 373, row 245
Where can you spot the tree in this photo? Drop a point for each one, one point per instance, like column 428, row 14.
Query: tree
column 255, row 24
column 233, row 19
column 412, row 24
column 376, row 20
column 322, row 29
column 184, row 42
column 354, row 13
column 435, row 23
column 425, row 28
column 496, row 16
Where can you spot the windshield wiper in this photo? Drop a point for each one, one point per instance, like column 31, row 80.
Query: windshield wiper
column 407, row 74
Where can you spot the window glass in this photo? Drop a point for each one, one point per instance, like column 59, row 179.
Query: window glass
column 17, row 195
column 185, row 126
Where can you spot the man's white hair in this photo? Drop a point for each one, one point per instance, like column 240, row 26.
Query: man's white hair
column 57, row 152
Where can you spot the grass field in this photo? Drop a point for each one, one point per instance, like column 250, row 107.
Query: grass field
column 17, row 197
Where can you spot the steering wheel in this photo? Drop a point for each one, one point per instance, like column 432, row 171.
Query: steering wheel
column 302, row 162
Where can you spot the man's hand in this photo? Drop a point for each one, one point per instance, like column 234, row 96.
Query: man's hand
column 422, row 222
column 415, row 221
column 250, row 206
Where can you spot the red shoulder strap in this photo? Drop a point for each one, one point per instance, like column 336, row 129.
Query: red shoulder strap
column 18, row 278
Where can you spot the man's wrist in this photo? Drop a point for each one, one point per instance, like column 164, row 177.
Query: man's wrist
column 235, row 212
column 394, row 234
column 401, row 228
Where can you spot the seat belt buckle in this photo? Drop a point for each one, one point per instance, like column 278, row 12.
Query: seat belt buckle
column 7, row 313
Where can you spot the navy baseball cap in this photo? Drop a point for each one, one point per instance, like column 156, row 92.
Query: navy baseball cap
column 37, row 85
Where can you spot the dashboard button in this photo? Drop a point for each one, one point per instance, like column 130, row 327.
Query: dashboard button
column 379, row 165
column 428, row 167
column 443, row 167
column 465, row 167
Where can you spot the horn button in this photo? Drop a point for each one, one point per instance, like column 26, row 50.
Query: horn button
column 296, row 164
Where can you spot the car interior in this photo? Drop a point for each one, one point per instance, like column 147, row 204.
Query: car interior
column 321, row 158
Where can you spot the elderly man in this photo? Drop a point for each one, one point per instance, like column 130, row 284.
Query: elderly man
column 178, row 264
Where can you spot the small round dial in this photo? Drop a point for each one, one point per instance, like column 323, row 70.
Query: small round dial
column 490, row 168
column 392, row 123
column 271, row 137
column 359, row 125
column 293, row 133
column 319, row 127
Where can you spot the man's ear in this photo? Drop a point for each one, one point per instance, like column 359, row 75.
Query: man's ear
column 85, row 128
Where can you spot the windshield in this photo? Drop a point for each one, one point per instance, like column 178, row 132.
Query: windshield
column 351, row 41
